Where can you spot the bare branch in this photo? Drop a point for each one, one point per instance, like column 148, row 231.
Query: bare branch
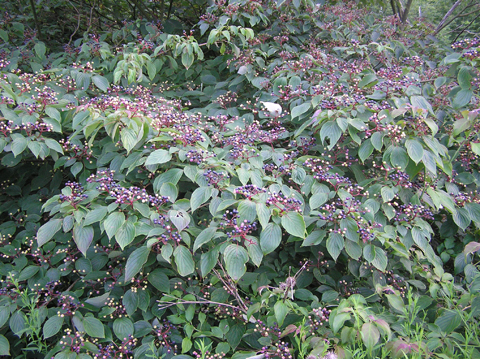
column 443, row 23
column 78, row 22
column 466, row 27
column 202, row 301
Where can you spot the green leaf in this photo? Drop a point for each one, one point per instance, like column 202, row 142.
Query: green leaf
column 4, row 346
column 299, row 110
column 247, row 211
column 184, row 261
column 19, row 144
column 396, row 303
column 464, row 78
column 83, row 237
column 365, row 150
column 462, row 98
column 448, row 321
column 474, row 212
column 281, row 310
column 235, row 334
column 169, row 190
column 314, row 238
column 335, row 244
column 101, row 82
column 158, row 157
column 254, row 251
column 179, row 218
column 4, row 37
column 93, row 327
column 199, row 197
column 28, row 272
column 95, row 215
column 475, row 147
column 159, row 280
column 375, row 256
column 52, row 326
column 318, row 199
column 129, row 139
column 387, row 194
column 270, row 238
column 123, row 328
column 54, row 145
column 48, row 230
column 353, row 249
column 377, row 141
column 135, row 262
column 367, row 79
column 461, row 218
column 130, row 301
column 204, row 237
column 113, row 223
column 125, row 234
column 208, row 261
column 332, row 131
column 18, row 323
column 337, row 320
column 4, row 315
column 294, row 224
column 263, row 213
column 421, row 102
column 399, row 158
column 40, row 49
column 235, row 258
column 414, row 150
column 370, row 335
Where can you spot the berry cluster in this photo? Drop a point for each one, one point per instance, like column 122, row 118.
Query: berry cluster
column 112, row 350
column 163, row 333
column 319, row 318
column 283, row 203
column 407, row 213
column 171, row 234
column 76, row 194
column 68, row 305
column 249, row 191
column 215, row 179
column 124, row 195
column 236, row 230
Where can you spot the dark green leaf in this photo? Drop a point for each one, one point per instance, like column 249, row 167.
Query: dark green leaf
column 159, row 280
column 294, row 224
column 235, row 258
column 123, row 328
column 113, row 223
column 270, row 238
column 158, row 157
column 4, row 346
column 335, row 244
column 184, row 261
column 52, row 326
column 48, row 230
column 93, row 327
column 204, row 237
column 83, row 237
column 135, row 262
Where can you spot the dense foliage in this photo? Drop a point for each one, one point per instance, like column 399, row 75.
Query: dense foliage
column 288, row 180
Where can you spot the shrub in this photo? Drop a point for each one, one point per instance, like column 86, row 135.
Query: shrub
column 287, row 180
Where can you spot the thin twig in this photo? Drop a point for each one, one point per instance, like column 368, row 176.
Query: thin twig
column 78, row 22
column 165, row 305
column 231, row 287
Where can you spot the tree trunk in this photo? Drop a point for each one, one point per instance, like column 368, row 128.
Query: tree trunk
column 406, row 11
